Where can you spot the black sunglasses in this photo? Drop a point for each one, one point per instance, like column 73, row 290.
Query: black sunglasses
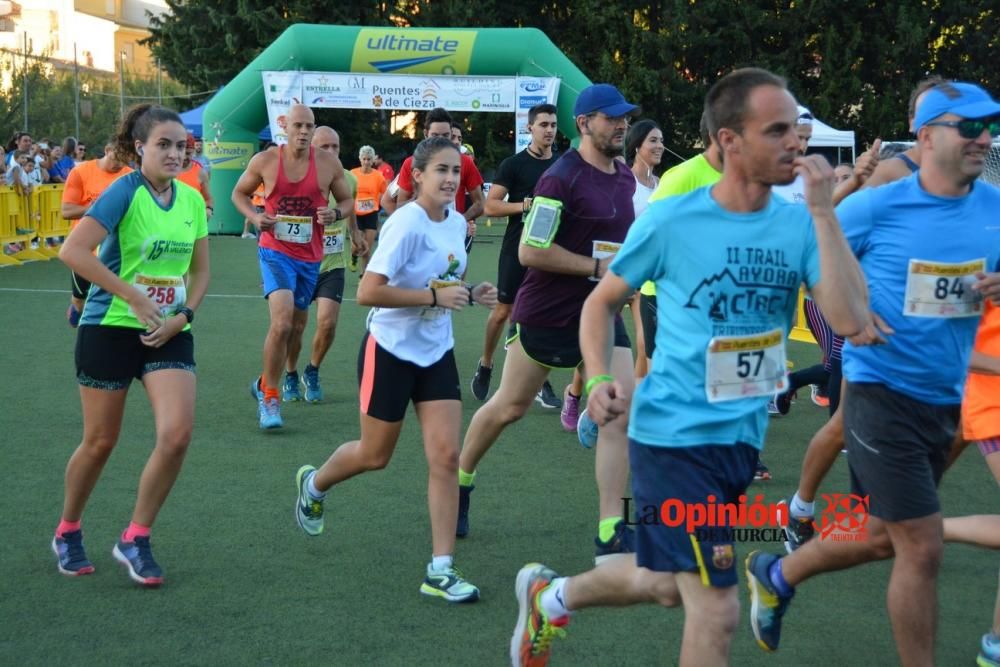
column 971, row 129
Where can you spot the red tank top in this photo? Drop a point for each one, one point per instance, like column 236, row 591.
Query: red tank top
column 300, row 198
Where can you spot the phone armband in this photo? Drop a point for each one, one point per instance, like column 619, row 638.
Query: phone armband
column 542, row 222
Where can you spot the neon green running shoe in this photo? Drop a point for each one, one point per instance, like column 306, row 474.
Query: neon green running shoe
column 308, row 510
column 448, row 584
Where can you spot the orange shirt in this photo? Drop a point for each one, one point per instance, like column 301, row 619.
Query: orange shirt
column 981, row 407
column 191, row 177
column 86, row 182
column 371, row 187
column 258, row 196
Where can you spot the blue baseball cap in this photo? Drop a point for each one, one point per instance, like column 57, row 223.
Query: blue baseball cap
column 962, row 99
column 605, row 98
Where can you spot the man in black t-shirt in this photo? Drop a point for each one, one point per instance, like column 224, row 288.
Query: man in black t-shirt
column 515, row 180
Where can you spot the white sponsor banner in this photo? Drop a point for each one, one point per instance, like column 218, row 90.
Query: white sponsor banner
column 408, row 92
column 531, row 91
column 281, row 90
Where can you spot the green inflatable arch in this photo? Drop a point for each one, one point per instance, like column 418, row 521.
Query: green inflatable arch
column 234, row 117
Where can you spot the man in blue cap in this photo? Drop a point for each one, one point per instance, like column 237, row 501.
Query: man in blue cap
column 929, row 246
column 579, row 215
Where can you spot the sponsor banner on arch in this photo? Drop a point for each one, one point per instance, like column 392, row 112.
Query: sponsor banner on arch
column 281, row 90
column 413, row 51
column 408, row 92
column 531, row 91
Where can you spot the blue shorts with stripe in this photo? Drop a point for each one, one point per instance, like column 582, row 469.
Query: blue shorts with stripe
column 279, row 271
column 689, row 475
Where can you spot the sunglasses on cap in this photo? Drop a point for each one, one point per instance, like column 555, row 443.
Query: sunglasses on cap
column 971, row 129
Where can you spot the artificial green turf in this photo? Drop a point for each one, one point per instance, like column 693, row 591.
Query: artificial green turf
column 245, row 586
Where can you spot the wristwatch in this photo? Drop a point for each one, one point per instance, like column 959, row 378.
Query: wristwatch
column 337, row 215
column 186, row 312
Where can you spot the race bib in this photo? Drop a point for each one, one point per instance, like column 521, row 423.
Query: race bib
column 167, row 292
column 333, row 240
column 604, row 249
column 293, row 228
column 938, row 289
column 745, row 366
column 438, row 311
column 365, row 206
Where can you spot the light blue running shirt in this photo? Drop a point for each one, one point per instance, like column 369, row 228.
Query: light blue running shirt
column 717, row 273
column 900, row 226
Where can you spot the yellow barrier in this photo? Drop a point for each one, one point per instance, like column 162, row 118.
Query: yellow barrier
column 800, row 331
column 23, row 219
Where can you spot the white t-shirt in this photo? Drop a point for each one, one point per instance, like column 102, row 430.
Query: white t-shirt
column 413, row 250
column 640, row 200
column 794, row 192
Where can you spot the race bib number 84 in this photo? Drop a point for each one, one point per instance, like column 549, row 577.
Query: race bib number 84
column 938, row 289
column 745, row 366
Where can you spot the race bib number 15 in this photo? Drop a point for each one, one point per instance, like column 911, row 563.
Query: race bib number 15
column 745, row 366
column 938, row 289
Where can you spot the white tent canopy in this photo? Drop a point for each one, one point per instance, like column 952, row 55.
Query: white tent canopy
column 824, row 135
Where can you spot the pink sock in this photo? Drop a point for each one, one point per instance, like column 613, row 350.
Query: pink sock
column 133, row 531
column 66, row 527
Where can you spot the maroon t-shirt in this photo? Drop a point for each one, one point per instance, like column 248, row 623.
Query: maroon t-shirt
column 596, row 207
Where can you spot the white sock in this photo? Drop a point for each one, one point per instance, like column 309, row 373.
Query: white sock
column 552, row 599
column 311, row 489
column 439, row 563
column 800, row 508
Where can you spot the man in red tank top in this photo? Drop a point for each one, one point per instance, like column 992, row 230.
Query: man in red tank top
column 297, row 181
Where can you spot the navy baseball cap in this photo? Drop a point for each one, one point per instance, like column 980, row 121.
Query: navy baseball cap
column 966, row 100
column 605, row 98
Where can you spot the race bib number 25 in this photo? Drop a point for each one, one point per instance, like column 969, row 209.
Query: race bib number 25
column 938, row 289
column 745, row 366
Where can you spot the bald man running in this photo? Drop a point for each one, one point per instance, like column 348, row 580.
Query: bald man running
column 298, row 180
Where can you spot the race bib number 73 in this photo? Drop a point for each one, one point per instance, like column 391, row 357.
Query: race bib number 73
column 293, row 228
column 745, row 366
column 939, row 289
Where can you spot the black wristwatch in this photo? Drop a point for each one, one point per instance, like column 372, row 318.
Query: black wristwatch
column 337, row 215
column 186, row 312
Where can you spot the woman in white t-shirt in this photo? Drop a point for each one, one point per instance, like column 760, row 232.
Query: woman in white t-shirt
column 413, row 282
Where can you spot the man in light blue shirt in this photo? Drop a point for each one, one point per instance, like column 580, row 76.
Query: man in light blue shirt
column 929, row 246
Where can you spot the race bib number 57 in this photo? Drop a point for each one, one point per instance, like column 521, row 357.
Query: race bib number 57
column 745, row 366
column 938, row 289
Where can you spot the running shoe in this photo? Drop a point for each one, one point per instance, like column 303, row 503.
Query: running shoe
column 531, row 642
column 353, row 264
column 817, row 396
column 772, row 407
column 269, row 413
column 761, row 473
column 547, row 397
column 308, row 510
column 622, row 542
column 798, row 531
column 586, row 430
column 481, row 381
column 68, row 548
column 989, row 651
column 137, row 557
column 782, row 403
column 570, row 414
column 247, row 235
column 290, row 389
column 464, row 493
column 255, row 389
column 310, row 380
column 448, row 584
column 73, row 316
column 766, row 605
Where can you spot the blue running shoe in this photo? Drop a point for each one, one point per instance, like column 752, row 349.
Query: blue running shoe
column 767, row 606
column 310, row 380
column 989, row 651
column 269, row 413
column 448, row 584
column 586, row 430
column 255, row 389
column 463, row 510
column 622, row 542
column 68, row 548
column 137, row 556
column 290, row 389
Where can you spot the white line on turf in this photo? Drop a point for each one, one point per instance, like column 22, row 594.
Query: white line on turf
column 35, row 290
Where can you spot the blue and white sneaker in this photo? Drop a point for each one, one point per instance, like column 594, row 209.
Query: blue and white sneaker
column 308, row 510
column 448, row 584
column 269, row 413
column 310, row 381
column 767, row 606
column 586, row 430
column 255, row 391
column 137, row 557
column 989, row 651
column 290, row 388
column 68, row 548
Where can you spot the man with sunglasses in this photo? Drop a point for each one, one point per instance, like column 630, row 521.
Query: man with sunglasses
column 929, row 246
column 580, row 211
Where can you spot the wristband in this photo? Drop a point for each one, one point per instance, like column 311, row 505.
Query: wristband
column 597, row 267
column 596, row 380
column 472, row 300
column 434, row 296
column 337, row 215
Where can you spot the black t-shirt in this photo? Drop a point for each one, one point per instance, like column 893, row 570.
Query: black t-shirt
column 518, row 174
